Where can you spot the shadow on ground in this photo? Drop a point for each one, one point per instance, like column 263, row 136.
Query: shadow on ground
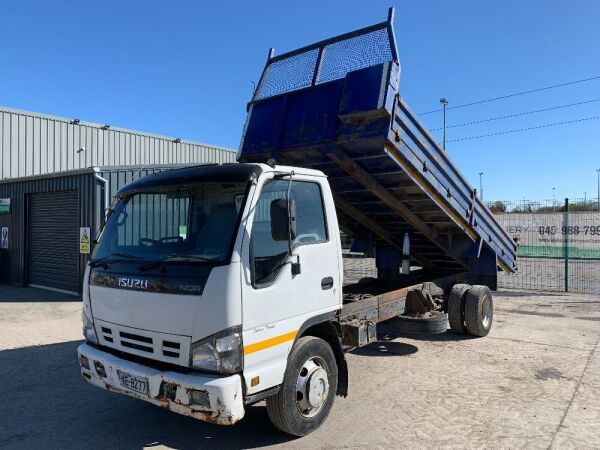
column 12, row 294
column 529, row 294
column 55, row 408
column 387, row 332
column 386, row 348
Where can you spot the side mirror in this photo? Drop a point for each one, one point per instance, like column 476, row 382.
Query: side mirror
column 281, row 219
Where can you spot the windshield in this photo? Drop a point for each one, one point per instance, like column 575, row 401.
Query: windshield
column 195, row 223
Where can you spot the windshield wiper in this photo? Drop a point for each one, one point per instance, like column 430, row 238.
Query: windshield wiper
column 103, row 262
column 123, row 255
column 99, row 263
column 180, row 257
column 173, row 258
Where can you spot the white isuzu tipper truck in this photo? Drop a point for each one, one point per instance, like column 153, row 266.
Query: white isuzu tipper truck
column 214, row 287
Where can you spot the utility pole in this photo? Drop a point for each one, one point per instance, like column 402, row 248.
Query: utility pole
column 444, row 102
column 598, row 172
column 481, row 186
column 566, row 243
column 584, row 200
column 554, row 199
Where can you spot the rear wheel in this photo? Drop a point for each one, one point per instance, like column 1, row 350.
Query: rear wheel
column 479, row 311
column 456, row 307
column 308, row 390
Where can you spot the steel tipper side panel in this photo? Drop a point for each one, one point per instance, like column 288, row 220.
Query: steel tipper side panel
column 388, row 176
column 415, row 150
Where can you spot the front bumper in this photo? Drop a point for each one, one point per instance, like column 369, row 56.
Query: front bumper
column 219, row 401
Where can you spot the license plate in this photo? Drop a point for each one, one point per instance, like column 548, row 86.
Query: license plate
column 138, row 384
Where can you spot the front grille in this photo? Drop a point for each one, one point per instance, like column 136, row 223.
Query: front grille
column 135, row 337
column 170, row 349
column 136, row 342
column 170, row 344
column 107, row 332
column 145, row 361
column 148, row 344
column 137, row 346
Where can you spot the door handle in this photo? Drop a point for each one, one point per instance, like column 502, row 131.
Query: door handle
column 327, row 283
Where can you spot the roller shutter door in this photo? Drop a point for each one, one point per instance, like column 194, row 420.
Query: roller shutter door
column 53, row 240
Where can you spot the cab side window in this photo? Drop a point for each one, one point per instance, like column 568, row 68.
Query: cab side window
column 310, row 213
column 268, row 255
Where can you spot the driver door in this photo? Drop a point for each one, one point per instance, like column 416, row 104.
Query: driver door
column 275, row 302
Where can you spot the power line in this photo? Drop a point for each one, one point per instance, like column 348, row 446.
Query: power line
column 525, row 129
column 464, row 124
column 515, row 94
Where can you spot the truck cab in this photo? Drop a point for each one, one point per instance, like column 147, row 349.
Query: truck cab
column 204, row 279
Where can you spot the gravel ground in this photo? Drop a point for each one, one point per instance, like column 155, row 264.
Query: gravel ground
column 533, row 382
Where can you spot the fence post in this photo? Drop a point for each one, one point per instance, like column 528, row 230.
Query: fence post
column 565, row 230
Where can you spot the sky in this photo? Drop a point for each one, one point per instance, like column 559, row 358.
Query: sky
column 185, row 69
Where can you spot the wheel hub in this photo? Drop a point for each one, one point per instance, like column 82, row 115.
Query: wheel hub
column 312, row 387
column 486, row 313
column 317, row 387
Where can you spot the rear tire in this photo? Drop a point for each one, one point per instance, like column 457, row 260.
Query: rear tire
column 436, row 323
column 308, row 390
column 456, row 307
column 479, row 311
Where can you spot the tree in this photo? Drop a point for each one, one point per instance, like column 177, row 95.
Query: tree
column 498, row 207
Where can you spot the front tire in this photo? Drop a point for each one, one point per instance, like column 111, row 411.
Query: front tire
column 308, row 390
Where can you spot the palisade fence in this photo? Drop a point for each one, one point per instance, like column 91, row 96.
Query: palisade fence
column 558, row 244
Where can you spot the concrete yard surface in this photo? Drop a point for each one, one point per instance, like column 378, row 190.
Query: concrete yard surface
column 534, row 382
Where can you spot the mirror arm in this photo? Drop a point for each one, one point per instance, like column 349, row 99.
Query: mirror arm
column 296, row 268
column 289, row 192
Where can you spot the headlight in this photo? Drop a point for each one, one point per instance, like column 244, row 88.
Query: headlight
column 221, row 352
column 88, row 328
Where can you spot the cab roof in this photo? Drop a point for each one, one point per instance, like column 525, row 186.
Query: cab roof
column 229, row 172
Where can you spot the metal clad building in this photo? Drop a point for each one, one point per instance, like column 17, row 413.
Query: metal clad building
column 59, row 177
column 46, row 215
column 36, row 144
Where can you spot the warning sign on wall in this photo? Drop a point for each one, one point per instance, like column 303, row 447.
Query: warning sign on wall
column 4, row 237
column 84, row 240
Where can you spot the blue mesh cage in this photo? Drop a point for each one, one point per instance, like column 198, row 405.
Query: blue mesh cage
column 328, row 60
column 286, row 75
column 355, row 53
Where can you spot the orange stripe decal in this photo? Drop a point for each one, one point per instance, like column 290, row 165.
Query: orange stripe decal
column 271, row 342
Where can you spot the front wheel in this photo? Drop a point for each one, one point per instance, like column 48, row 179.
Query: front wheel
column 308, row 390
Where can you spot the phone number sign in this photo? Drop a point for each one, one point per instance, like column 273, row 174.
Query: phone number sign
column 553, row 235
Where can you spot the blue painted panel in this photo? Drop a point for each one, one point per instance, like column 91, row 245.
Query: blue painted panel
column 363, row 89
column 311, row 115
column 264, row 127
column 363, row 115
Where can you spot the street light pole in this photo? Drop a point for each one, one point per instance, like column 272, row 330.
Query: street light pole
column 481, row 186
column 444, row 102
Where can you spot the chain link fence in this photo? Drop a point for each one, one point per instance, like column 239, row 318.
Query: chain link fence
column 558, row 244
